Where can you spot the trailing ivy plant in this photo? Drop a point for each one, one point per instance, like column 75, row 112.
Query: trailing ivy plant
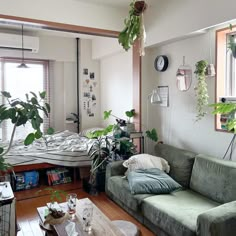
column 19, row 113
column 133, row 25
column 201, row 89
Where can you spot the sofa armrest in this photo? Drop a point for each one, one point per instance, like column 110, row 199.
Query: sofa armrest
column 115, row 168
column 219, row 221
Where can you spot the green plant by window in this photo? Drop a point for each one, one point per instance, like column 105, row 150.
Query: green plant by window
column 229, row 109
column 201, row 89
column 232, row 42
column 19, row 113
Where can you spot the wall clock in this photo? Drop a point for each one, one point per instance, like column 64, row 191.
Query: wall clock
column 161, row 63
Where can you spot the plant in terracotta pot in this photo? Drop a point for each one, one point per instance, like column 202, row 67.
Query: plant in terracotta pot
column 232, row 42
column 134, row 27
column 201, row 89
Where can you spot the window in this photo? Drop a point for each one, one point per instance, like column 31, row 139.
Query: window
column 225, row 70
column 18, row 82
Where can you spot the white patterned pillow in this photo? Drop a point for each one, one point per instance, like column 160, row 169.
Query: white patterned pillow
column 146, row 161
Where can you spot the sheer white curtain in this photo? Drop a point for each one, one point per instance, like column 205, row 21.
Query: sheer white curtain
column 18, row 82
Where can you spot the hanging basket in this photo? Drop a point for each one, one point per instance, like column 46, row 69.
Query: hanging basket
column 139, row 7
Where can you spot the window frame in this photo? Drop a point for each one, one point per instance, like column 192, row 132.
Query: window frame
column 221, row 68
column 46, row 85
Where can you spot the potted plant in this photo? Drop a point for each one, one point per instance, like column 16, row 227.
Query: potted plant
column 232, row 42
column 201, row 89
column 55, row 215
column 19, row 113
column 134, row 26
column 228, row 109
column 99, row 153
column 130, row 126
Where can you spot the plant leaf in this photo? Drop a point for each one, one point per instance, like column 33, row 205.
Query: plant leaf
column 152, row 135
column 50, row 131
column 42, row 94
column 29, row 139
column 106, row 114
column 6, row 94
column 47, row 107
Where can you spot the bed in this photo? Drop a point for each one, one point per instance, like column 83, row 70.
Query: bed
column 62, row 149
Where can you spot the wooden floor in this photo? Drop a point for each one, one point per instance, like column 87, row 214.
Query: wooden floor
column 28, row 201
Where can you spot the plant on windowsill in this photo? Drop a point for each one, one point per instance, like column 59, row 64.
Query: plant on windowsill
column 201, row 89
column 19, row 113
column 228, row 109
column 232, row 42
column 134, row 27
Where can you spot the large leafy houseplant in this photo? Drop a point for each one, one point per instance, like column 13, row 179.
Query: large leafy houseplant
column 151, row 134
column 19, row 113
column 201, row 89
column 134, row 26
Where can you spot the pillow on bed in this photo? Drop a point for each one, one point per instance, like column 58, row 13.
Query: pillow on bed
column 85, row 132
column 151, row 181
column 146, row 161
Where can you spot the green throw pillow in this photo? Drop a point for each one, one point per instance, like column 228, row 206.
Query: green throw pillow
column 151, row 181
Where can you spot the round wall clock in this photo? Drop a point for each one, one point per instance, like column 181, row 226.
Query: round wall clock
column 161, row 63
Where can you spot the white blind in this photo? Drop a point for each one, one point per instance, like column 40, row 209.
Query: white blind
column 18, row 82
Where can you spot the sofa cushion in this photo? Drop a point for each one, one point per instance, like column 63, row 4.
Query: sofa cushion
column 214, row 178
column 119, row 187
column 180, row 161
column 176, row 213
column 151, row 180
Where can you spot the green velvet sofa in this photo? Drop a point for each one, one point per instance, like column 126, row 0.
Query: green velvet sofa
column 206, row 206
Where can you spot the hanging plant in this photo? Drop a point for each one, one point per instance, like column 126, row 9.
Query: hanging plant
column 232, row 42
column 134, row 27
column 201, row 89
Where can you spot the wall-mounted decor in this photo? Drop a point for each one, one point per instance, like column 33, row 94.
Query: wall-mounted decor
column 161, row 63
column 89, row 93
column 184, row 77
column 163, row 91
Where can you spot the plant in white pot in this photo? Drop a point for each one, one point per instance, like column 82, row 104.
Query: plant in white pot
column 129, row 125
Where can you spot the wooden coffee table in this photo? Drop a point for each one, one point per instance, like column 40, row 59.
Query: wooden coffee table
column 101, row 225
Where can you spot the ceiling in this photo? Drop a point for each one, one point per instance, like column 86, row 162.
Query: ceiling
column 116, row 3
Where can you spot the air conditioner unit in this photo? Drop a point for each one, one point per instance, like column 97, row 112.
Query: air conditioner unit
column 14, row 41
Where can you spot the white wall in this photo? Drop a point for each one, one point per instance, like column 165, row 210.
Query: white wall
column 176, row 124
column 62, row 55
column 66, row 11
column 103, row 47
column 93, row 66
column 116, row 84
column 173, row 19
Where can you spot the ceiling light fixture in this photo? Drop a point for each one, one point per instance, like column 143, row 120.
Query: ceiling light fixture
column 22, row 65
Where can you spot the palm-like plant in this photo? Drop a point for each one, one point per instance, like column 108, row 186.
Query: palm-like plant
column 99, row 151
